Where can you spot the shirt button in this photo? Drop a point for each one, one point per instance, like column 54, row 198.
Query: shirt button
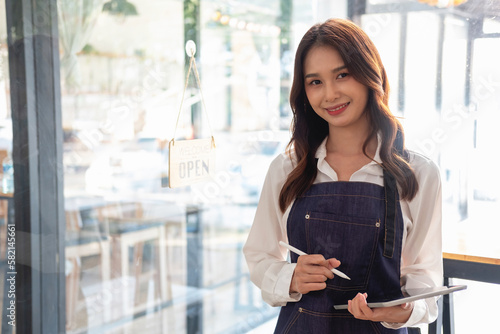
column 307, row 216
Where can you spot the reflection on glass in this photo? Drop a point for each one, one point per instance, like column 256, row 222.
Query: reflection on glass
column 384, row 30
column 170, row 259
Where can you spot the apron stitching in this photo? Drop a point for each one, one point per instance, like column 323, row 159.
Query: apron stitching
column 374, row 251
column 307, row 232
column 344, row 222
column 290, row 325
column 342, row 195
column 351, row 288
column 326, row 315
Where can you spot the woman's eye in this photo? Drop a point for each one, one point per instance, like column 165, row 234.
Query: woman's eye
column 315, row 82
column 342, row 75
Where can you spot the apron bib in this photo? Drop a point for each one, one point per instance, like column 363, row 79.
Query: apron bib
column 360, row 224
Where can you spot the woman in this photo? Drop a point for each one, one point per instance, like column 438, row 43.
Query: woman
column 349, row 194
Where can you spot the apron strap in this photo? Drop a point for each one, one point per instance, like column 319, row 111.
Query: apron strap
column 390, row 214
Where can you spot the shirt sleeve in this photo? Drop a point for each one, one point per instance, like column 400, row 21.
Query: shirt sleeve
column 421, row 263
column 266, row 260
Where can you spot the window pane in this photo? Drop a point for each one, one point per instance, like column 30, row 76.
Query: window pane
column 122, row 72
column 384, row 30
column 170, row 258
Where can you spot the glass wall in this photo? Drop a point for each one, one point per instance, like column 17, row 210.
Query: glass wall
column 447, row 93
column 142, row 257
column 139, row 254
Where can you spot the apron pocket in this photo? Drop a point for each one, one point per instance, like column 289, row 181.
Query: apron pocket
column 352, row 240
column 307, row 321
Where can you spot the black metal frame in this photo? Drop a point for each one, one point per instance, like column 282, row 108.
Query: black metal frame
column 33, row 43
column 474, row 271
column 355, row 9
column 468, row 270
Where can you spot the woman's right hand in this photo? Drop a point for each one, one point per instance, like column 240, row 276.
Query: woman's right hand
column 311, row 273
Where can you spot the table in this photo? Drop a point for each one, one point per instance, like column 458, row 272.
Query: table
column 82, row 243
column 133, row 224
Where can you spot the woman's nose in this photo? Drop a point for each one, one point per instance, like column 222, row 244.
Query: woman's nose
column 331, row 92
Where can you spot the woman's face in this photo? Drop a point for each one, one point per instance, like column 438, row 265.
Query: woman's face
column 332, row 92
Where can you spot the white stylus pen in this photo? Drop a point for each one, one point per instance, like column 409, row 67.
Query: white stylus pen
column 299, row 252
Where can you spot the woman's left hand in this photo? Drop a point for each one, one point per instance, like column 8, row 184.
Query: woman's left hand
column 358, row 307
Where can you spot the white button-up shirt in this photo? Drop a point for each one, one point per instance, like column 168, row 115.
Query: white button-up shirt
column 421, row 259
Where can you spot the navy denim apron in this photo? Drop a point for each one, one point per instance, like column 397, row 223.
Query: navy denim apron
column 360, row 224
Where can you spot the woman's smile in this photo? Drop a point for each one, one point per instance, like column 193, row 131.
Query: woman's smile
column 338, row 109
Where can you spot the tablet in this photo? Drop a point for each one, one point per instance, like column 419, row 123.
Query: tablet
column 412, row 295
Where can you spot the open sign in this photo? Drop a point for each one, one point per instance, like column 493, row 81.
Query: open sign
column 191, row 161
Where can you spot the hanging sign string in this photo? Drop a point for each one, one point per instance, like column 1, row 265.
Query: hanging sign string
column 191, row 51
column 193, row 160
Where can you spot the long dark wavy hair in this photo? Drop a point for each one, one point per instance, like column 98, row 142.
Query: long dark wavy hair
column 309, row 130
